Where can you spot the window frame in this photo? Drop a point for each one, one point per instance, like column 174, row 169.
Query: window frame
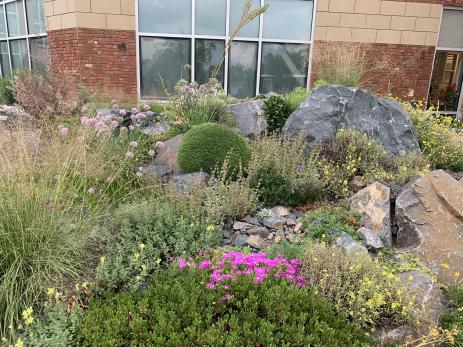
column 27, row 36
column 193, row 36
column 459, row 110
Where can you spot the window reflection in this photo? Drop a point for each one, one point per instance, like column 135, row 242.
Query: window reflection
column 209, row 54
column 242, row 69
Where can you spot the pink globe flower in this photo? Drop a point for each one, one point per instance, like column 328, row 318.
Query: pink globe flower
column 160, row 144
column 133, row 144
column 91, row 190
column 129, row 155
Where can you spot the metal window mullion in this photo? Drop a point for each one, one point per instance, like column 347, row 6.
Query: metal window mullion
column 311, row 44
column 27, row 35
column 259, row 50
column 227, row 38
column 137, row 53
column 193, row 43
column 460, row 103
column 7, row 38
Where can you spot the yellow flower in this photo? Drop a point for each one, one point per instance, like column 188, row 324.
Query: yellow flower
column 19, row 343
column 50, row 291
column 102, row 259
column 457, row 274
column 141, row 246
column 85, row 285
column 445, row 266
column 210, row 228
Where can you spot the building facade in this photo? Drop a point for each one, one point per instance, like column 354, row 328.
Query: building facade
column 140, row 48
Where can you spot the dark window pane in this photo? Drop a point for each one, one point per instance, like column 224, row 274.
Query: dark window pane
column 4, row 59
column 209, row 53
column 210, row 17
column 446, row 80
column 164, row 16
column 39, row 53
column 163, row 64
column 35, row 16
column 252, row 28
column 284, row 67
column 19, row 59
column 288, row 19
column 2, row 22
column 242, row 69
column 15, row 18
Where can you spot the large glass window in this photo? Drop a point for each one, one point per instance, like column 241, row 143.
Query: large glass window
column 269, row 54
column 23, row 41
column 163, row 63
column 446, row 90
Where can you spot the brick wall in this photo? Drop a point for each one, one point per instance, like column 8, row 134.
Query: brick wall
column 406, row 72
column 104, row 61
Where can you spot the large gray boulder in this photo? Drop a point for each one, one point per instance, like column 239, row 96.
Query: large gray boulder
column 330, row 108
column 165, row 162
column 249, row 116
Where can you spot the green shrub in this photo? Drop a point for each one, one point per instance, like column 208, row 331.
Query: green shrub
column 277, row 109
column 282, row 172
column 296, row 97
column 353, row 153
column 7, row 96
column 359, row 287
column 454, row 316
column 143, row 236
column 205, row 147
column 178, row 310
column 440, row 142
column 324, row 223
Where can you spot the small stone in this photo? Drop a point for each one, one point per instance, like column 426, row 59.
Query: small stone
column 356, row 184
column 346, row 242
column 261, row 231
column 241, row 226
column 270, row 236
column 291, row 222
column 256, row 241
column 274, row 222
column 280, row 211
column 241, row 240
column 371, row 240
column 226, row 234
column 298, row 227
column 251, row 220
column 278, row 239
column 226, row 241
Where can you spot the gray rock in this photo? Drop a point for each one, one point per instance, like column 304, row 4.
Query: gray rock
column 250, row 118
column 280, row 211
column 241, row 240
column 274, row 222
column 241, row 225
column 154, row 129
column 261, row 231
column 251, row 220
column 330, row 108
column 370, row 239
column 346, row 242
column 165, row 162
column 356, row 184
column 255, row 241
column 182, row 183
column 374, row 206
column 291, row 222
column 226, row 234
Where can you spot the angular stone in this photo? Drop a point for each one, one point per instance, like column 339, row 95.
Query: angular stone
column 291, row 222
column 298, row 227
column 280, row 211
column 249, row 117
column 255, row 241
column 241, row 225
column 370, row 239
column 183, row 183
column 251, row 220
column 270, row 236
column 261, row 231
column 429, row 298
column 278, row 239
column 165, row 162
column 329, row 108
column 240, row 240
column 374, row 206
column 346, row 242
column 429, row 215
column 356, row 184
column 274, row 222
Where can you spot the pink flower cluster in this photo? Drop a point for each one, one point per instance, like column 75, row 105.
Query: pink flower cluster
column 225, row 269
column 100, row 122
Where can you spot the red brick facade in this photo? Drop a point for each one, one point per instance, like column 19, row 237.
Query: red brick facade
column 405, row 69
column 103, row 61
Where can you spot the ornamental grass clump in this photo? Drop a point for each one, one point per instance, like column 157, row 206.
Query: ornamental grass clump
column 440, row 142
column 360, row 288
column 281, row 171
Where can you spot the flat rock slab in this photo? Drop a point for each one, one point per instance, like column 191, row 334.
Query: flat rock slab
column 330, row 108
column 429, row 214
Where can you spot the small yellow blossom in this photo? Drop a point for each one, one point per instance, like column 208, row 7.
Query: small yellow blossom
column 102, row 259
column 445, row 266
column 19, row 343
column 50, row 291
column 457, row 274
column 141, row 246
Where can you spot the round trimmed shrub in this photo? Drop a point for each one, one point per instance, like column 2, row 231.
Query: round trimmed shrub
column 177, row 309
column 207, row 146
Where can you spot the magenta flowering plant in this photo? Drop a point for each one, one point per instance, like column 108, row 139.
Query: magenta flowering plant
column 225, row 268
